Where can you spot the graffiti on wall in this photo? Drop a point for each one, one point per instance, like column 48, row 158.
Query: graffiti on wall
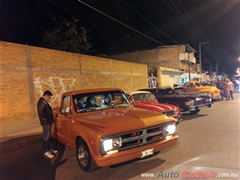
column 56, row 85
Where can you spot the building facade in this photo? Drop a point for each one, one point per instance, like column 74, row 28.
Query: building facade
column 174, row 64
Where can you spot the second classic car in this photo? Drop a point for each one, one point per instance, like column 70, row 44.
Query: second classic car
column 146, row 100
column 186, row 101
column 195, row 86
column 104, row 128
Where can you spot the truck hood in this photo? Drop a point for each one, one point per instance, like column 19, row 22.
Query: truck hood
column 119, row 120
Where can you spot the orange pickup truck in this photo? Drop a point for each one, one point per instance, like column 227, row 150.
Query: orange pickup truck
column 107, row 129
column 195, row 86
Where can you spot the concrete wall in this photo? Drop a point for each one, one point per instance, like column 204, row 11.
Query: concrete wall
column 27, row 71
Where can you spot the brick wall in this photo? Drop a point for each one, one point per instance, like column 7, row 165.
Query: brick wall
column 28, row 71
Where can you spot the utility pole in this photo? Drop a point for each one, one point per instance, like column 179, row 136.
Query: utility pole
column 217, row 70
column 200, row 55
column 189, row 74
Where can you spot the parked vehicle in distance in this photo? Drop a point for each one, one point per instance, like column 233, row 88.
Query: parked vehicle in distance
column 195, row 86
column 181, row 90
column 106, row 129
column 187, row 102
column 146, row 100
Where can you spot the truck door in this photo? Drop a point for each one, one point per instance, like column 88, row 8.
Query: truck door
column 64, row 120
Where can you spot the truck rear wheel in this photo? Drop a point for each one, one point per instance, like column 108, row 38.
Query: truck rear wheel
column 84, row 157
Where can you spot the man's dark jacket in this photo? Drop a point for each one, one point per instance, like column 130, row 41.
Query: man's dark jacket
column 44, row 112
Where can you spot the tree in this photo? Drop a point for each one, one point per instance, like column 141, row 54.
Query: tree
column 67, row 35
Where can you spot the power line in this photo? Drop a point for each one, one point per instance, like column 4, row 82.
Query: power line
column 11, row 16
column 204, row 38
column 208, row 62
column 201, row 35
column 151, row 25
column 180, row 19
column 93, row 24
column 120, row 22
column 150, row 22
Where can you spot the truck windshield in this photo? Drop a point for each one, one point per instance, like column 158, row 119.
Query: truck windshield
column 100, row 100
column 197, row 84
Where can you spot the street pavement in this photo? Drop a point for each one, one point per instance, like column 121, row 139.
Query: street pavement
column 19, row 137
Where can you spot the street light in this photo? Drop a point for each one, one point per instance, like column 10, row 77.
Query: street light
column 200, row 56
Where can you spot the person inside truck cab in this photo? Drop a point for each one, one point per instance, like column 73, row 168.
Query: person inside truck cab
column 80, row 103
column 107, row 100
column 91, row 102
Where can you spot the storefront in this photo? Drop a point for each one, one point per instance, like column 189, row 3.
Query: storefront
column 169, row 76
column 193, row 76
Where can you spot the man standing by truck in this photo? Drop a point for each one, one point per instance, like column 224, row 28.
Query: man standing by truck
column 46, row 120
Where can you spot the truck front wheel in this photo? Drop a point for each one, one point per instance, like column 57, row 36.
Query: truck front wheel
column 84, row 157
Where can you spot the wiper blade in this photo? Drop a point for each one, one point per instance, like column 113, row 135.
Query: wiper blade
column 121, row 105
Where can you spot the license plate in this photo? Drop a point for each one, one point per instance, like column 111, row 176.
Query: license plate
column 147, row 152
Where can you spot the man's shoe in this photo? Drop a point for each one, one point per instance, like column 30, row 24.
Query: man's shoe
column 48, row 154
column 53, row 151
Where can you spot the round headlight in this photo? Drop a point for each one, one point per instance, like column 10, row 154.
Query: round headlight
column 117, row 142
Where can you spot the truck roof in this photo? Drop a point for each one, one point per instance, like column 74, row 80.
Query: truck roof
column 83, row 91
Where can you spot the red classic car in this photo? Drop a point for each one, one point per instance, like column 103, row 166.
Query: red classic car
column 146, row 100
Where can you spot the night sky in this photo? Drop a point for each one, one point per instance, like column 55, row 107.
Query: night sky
column 118, row 26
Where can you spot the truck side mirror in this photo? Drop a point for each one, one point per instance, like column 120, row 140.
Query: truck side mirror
column 62, row 111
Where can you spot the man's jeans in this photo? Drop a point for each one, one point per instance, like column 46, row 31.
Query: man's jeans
column 46, row 135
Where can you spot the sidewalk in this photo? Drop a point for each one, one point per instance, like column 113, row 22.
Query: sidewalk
column 19, row 138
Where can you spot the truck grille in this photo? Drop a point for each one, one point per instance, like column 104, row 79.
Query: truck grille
column 141, row 137
column 199, row 102
column 203, row 101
